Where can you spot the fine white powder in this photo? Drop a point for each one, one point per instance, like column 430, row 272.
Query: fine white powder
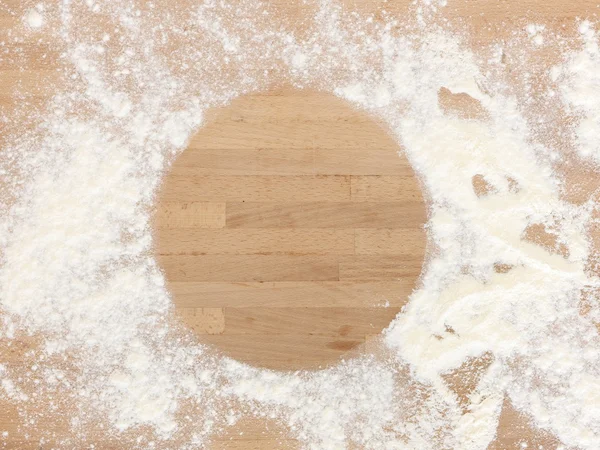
column 77, row 274
column 580, row 86
column 34, row 18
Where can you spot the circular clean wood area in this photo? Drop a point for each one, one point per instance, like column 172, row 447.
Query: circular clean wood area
column 290, row 231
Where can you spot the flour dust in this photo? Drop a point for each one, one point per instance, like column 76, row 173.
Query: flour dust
column 85, row 302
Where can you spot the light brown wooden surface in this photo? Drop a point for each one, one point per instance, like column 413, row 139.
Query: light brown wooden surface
column 290, row 229
column 283, row 225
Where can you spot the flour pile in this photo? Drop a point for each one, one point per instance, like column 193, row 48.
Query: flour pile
column 80, row 288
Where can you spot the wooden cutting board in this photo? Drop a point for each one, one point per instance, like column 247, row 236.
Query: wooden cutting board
column 290, row 230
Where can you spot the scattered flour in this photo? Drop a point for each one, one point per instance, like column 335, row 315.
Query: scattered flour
column 77, row 269
column 535, row 32
column 34, row 18
column 580, row 83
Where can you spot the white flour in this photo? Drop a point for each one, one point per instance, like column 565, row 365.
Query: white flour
column 580, row 85
column 34, row 18
column 78, row 273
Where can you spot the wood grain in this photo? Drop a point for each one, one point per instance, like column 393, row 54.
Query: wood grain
column 301, row 294
column 181, row 215
column 255, row 188
column 272, row 241
column 242, row 268
column 384, row 215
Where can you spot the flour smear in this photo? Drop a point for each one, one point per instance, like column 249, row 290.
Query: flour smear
column 86, row 305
